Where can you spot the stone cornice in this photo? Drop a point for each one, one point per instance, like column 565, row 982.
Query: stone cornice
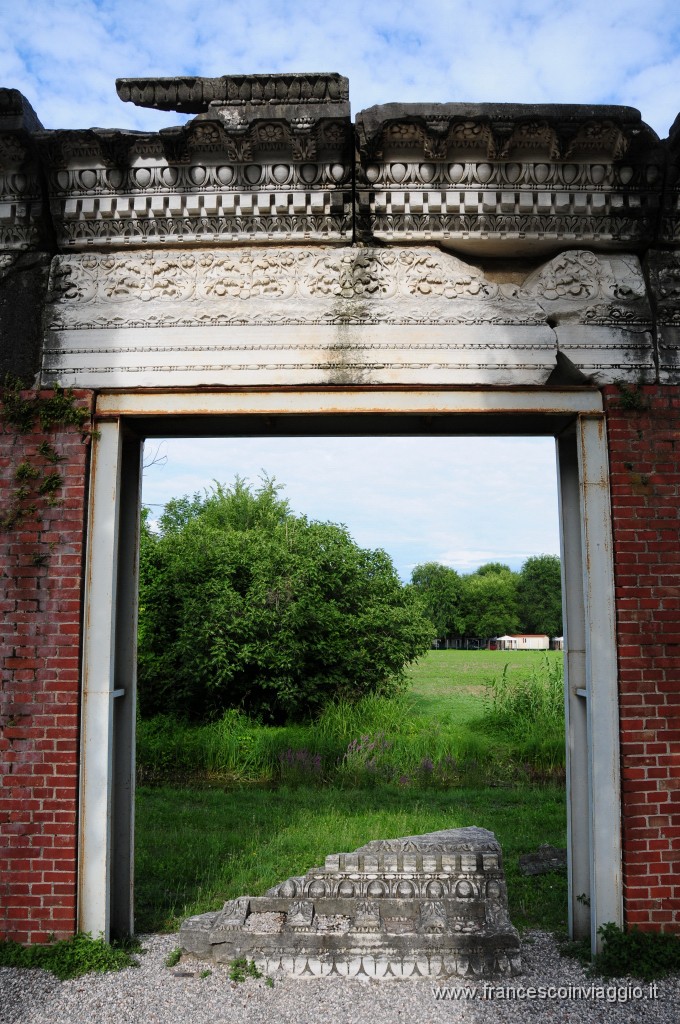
column 259, row 95
column 16, row 113
column 23, row 224
column 503, row 131
column 506, row 179
column 276, row 159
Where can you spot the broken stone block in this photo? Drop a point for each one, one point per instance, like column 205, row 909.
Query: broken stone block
column 546, row 859
column 432, row 906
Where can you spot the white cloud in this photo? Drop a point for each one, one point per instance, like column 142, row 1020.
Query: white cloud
column 65, row 57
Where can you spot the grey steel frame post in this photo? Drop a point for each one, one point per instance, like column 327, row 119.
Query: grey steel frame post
column 106, row 814
column 591, row 682
column 576, row 721
column 602, row 703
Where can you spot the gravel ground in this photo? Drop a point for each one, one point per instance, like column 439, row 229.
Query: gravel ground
column 156, row 994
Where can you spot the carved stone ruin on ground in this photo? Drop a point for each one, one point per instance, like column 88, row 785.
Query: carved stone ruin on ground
column 421, row 906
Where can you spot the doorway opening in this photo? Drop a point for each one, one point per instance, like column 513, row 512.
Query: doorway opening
column 124, row 421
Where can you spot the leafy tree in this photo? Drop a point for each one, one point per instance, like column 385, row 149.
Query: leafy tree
column 439, row 589
column 492, row 568
column 539, row 593
column 244, row 604
column 489, row 601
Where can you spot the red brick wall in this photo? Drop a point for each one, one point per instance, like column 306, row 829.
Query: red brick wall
column 40, row 605
column 644, row 452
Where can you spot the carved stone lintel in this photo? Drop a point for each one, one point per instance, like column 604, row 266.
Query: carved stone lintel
column 345, row 315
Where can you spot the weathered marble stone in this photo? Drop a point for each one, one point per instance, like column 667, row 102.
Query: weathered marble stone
column 421, row 906
column 545, row 860
column 508, row 178
column 342, row 315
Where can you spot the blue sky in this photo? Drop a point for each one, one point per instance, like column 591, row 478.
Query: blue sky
column 65, row 54
column 460, row 501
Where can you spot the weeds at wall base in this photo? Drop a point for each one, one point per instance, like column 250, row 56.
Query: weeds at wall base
column 629, row 954
column 71, row 958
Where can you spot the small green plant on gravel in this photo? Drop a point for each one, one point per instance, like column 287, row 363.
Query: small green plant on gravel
column 240, row 969
column 269, row 982
column 71, row 958
column 205, row 974
column 636, row 954
column 173, row 957
column 628, row 954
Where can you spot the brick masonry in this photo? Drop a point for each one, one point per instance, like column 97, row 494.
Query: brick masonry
column 41, row 604
column 644, row 453
column 42, row 559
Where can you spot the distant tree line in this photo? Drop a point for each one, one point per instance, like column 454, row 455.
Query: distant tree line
column 493, row 600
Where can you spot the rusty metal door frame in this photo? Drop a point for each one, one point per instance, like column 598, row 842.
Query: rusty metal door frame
column 574, row 416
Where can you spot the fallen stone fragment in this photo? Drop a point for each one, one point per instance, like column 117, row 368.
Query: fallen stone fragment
column 431, row 906
column 546, row 859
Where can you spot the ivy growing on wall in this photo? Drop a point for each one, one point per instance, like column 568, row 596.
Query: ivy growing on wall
column 36, row 479
column 632, row 397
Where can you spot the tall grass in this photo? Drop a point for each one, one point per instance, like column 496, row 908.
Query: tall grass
column 519, row 732
column 528, row 710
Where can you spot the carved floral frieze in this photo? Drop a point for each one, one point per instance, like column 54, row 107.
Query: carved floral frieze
column 591, row 288
column 7, row 260
column 282, row 286
column 664, row 272
column 327, row 285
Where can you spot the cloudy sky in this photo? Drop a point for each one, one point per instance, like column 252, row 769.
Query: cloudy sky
column 459, row 501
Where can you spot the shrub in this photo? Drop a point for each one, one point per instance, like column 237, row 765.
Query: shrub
column 636, row 954
column 244, row 605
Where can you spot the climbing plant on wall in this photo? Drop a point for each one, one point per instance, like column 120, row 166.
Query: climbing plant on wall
column 35, row 480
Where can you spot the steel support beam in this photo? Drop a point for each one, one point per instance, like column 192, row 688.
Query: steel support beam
column 98, row 673
column 106, row 825
column 601, row 690
column 576, row 724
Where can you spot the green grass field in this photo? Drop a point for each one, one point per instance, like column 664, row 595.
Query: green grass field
column 455, row 682
column 196, row 848
column 221, row 836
